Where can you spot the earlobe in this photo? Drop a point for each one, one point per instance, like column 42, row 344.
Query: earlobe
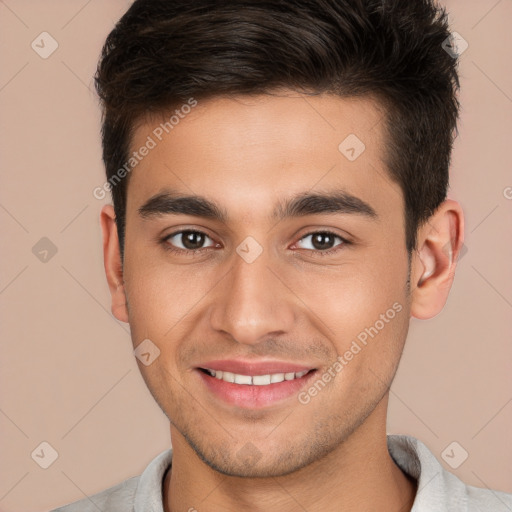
column 112, row 263
column 433, row 267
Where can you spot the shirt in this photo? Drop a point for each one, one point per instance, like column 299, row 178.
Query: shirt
column 438, row 490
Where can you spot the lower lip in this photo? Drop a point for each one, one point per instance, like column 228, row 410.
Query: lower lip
column 254, row 397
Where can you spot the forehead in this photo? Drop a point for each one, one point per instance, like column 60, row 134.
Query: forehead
column 250, row 151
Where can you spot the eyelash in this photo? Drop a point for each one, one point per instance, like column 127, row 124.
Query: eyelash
column 192, row 252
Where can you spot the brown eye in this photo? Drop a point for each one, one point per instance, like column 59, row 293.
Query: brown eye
column 188, row 240
column 322, row 241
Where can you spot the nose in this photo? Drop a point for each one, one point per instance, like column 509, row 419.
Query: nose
column 252, row 302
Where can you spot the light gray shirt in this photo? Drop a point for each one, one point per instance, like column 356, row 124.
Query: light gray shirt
column 438, row 489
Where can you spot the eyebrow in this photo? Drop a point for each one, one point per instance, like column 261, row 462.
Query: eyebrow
column 336, row 202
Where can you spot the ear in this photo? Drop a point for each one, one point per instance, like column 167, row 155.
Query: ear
column 112, row 263
column 433, row 265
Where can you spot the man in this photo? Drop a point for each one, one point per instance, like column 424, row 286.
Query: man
column 279, row 174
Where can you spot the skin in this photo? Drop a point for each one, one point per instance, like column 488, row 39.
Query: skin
column 246, row 154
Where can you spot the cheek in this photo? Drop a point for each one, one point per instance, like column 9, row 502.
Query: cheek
column 361, row 308
column 350, row 296
column 369, row 348
column 160, row 295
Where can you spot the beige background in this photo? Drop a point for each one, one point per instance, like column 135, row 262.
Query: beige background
column 68, row 376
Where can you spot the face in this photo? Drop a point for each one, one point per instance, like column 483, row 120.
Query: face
column 287, row 260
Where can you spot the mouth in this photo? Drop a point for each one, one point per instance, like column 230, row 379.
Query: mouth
column 254, row 387
column 254, row 380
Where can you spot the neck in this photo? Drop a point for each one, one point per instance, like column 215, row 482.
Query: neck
column 359, row 475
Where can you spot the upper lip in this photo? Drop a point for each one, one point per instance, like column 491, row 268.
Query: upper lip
column 246, row 367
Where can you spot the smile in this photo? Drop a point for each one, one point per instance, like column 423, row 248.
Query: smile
column 263, row 387
column 254, row 380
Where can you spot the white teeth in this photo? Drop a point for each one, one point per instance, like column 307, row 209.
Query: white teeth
column 228, row 376
column 261, row 380
column 255, row 380
column 243, row 379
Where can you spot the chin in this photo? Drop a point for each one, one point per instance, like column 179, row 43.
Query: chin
column 250, row 462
